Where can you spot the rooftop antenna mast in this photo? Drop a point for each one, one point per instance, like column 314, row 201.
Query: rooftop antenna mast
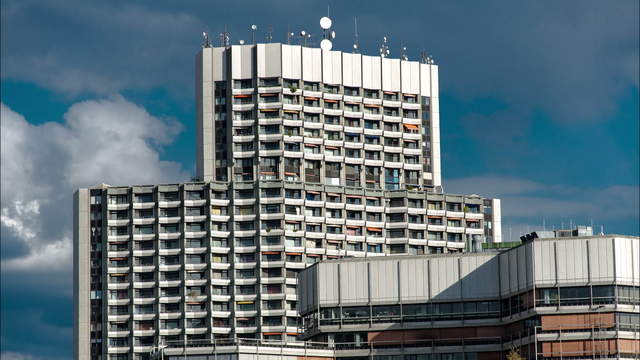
column 253, row 33
column 403, row 53
column 269, row 36
column 356, row 42
column 327, row 33
column 206, row 42
column 225, row 37
column 384, row 48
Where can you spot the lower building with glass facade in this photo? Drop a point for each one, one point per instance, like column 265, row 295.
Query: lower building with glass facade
column 561, row 298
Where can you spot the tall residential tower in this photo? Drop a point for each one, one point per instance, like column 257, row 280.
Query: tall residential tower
column 302, row 155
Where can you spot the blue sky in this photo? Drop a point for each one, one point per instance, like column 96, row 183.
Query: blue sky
column 539, row 107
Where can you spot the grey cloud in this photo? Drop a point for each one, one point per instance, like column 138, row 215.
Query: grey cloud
column 571, row 59
column 528, row 200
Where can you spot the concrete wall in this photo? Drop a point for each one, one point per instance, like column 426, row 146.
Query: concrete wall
column 81, row 275
column 314, row 65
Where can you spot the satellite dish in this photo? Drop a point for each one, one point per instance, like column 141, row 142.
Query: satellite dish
column 333, row 34
column 325, row 22
column 303, row 33
column 326, row 44
column 355, row 46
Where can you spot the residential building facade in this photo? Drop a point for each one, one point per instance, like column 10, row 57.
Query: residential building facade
column 289, row 112
column 303, row 155
column 202, row 261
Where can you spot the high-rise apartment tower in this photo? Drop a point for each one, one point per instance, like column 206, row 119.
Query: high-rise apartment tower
column 302, row 155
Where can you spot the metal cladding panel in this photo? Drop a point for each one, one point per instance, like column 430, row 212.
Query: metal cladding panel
column 444, row 276
column 241, row 62
column 626, row 257
column 219, row 64
column 354, row 282
column 425, row 80
column 544, row 257
column 601, row 260
column 269, row 58
column 332, row 67
column 352, row 70
column 513, row 270
column 328, row 293
column 384, row 281
column 479, row 276
column 291, row 61
column 390, row 74
column 572, row 264
column 505, row 273
column 310, row 292
column 371, row 72
column 410, row 71
column 522, row 253
column 414, row 283
column 311, row 64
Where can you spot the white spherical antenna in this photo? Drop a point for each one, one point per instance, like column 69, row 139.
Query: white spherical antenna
column 241, row 42
column 254, row 27
column 355, row 46
column 326, row 44
column 303, row 33
column 325, row 22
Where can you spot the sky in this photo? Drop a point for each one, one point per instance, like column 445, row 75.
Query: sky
column 539, row 107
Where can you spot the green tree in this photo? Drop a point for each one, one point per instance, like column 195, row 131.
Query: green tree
column 514, row 354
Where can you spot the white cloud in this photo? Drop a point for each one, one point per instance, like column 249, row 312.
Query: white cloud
column 16, row 356
column 101, row 141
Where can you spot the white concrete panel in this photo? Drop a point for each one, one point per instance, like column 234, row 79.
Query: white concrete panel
column 311, row 64
column 626, row 268
column 371, row 72
column 572, row 266
column 521, row 255
column 332, row 67
column 479, row 276
column 352, row 69
column 410, row 71
column 513, row 270
column 435, row 89
column 425, row 80
column 291, row 61
column 384, row 281
column 353, row 282
column 328, row 290
column 444, row 276
column 390, row 74
column 218, row 64
column 497, row 218
column 241, row 62
column 601, row 260
column 414, row 284
column 505, row 274
column 435, row 149
column 269, row 57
